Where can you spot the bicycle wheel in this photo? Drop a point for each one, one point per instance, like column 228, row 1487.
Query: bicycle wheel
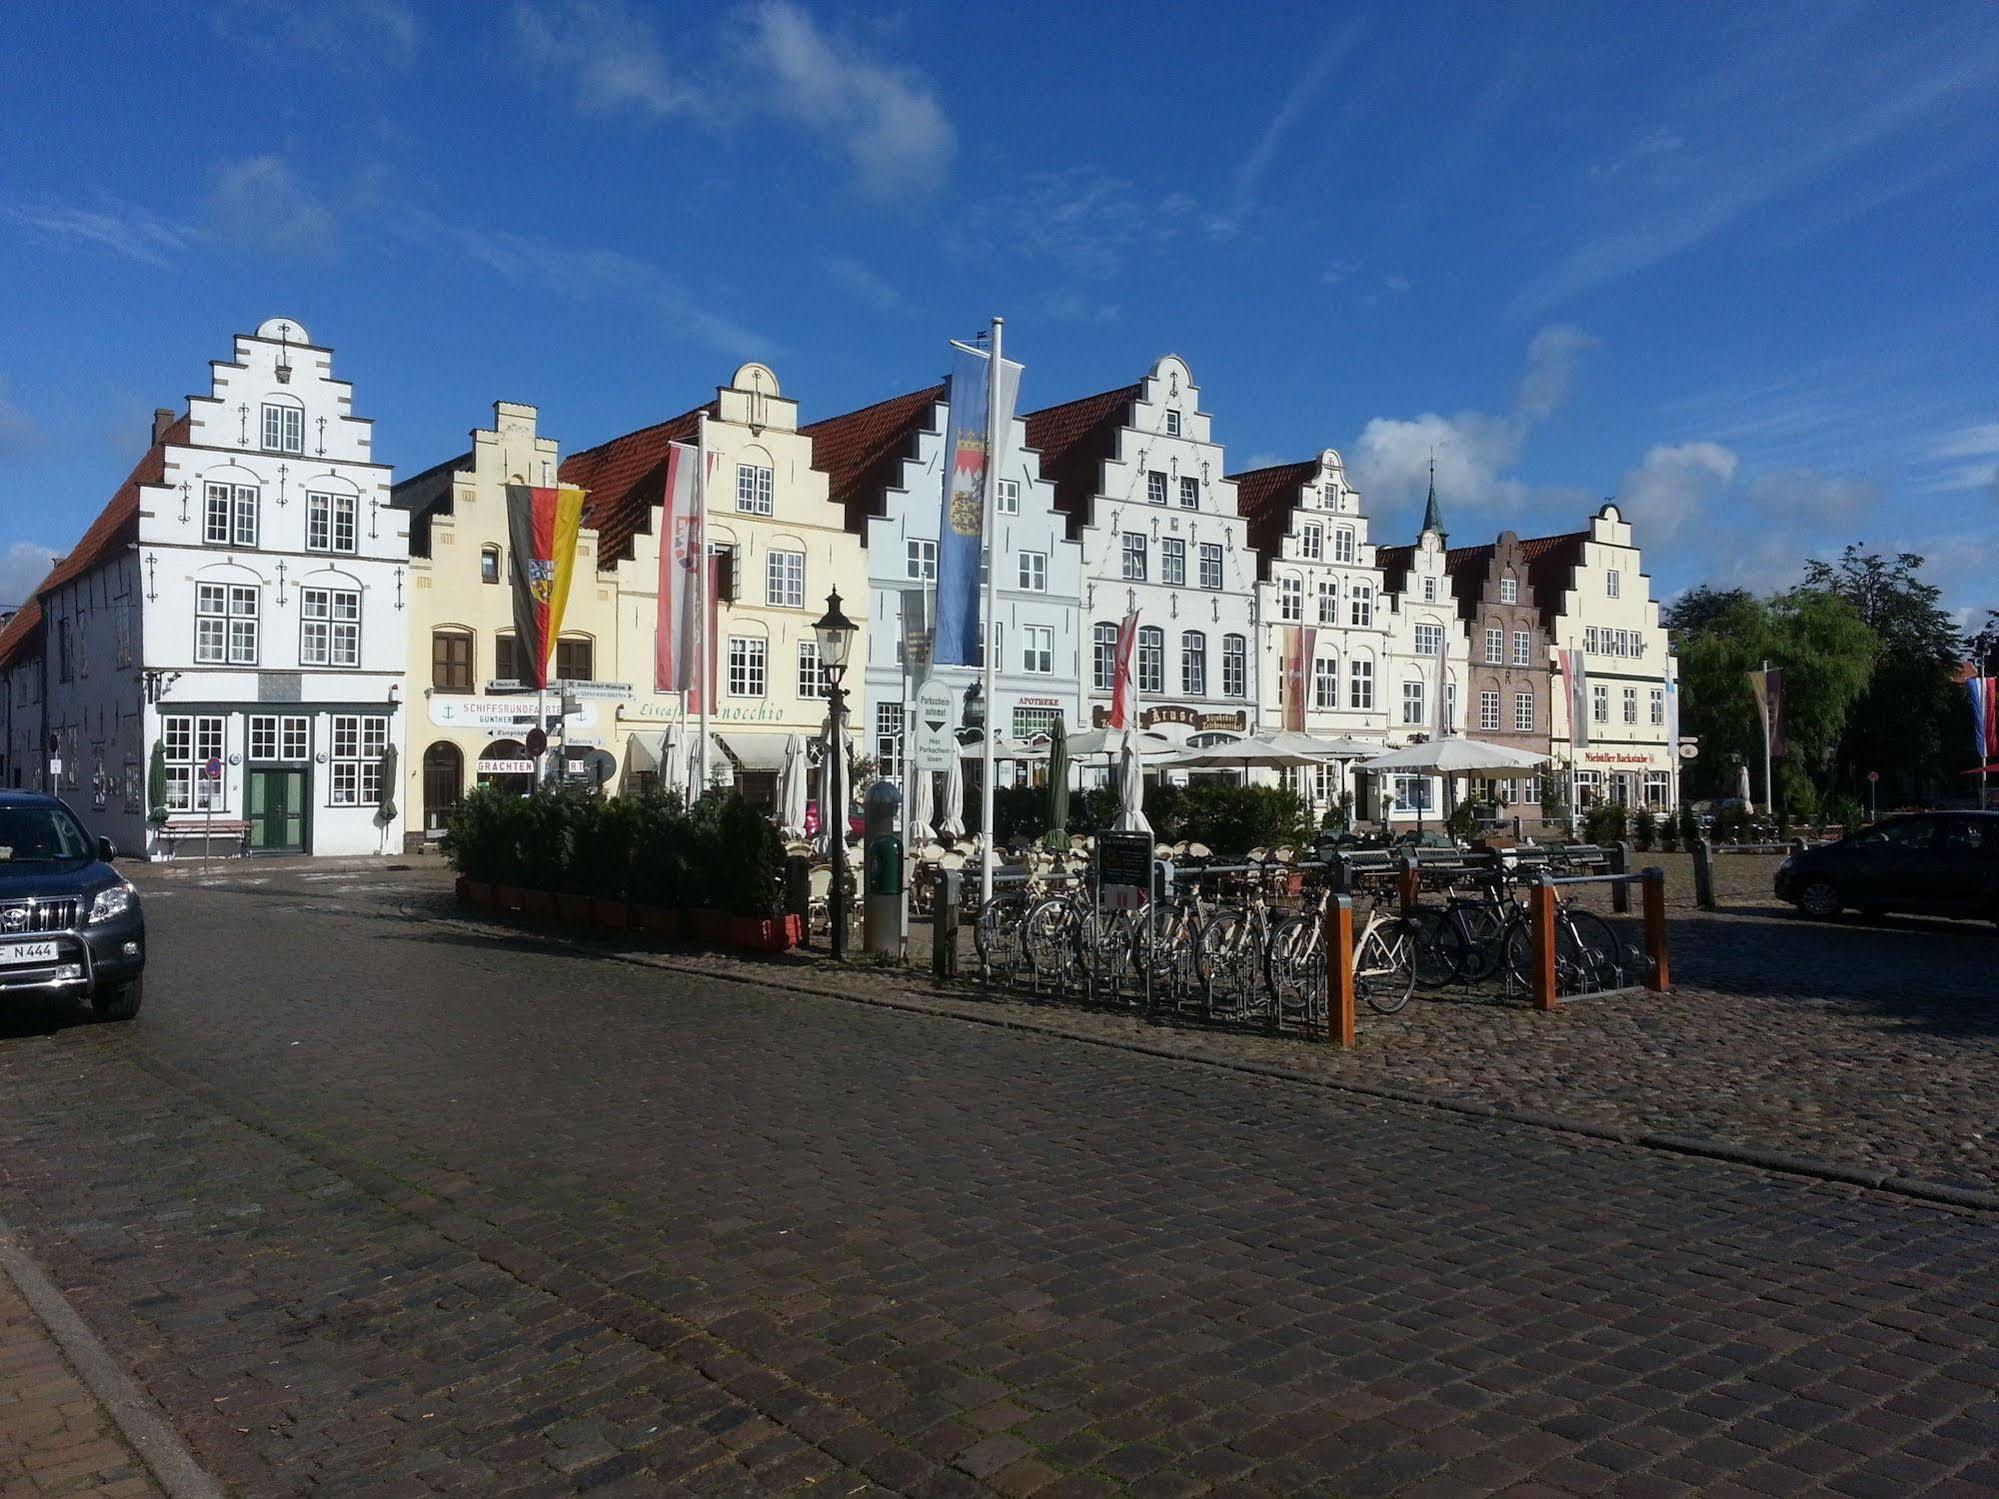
column 1484, row 932
column 1170, row 951
column 1296, row 968
column 1048, row 941
column 1439, row 952
column 1384, row 971
column 996, row 935
column 1576, row 967
column 1228, row 965
column 1602, row 959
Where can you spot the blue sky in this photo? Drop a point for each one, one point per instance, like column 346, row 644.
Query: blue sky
column 1731, row 264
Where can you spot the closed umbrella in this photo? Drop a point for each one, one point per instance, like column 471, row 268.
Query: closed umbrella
column 922, row 807
column 385, row 804
column 156, row 783
column 1131, row 794
column 1058, row 787
column 953, row 824
column 791, row 788
column 1748, row 805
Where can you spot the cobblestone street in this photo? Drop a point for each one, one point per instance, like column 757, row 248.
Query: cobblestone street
column 377, row 1200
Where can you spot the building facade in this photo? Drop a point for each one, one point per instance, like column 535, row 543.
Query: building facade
column 885, row 467
column 241, row 604
column 783, row 548
column 1427, row 659
column 1595, row 597
column 1141, row 483
column 1507, row 700
column 1316, row 571
column 469, row 715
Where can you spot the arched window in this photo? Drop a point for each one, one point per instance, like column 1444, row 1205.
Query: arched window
column 1103, row 656
column 451, row 668
column 443, row 784
column 489, row 564
column 1151, row 659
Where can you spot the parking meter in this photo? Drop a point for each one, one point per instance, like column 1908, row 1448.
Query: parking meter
column 882, row 911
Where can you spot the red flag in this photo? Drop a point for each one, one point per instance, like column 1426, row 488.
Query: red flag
column 1124, row 697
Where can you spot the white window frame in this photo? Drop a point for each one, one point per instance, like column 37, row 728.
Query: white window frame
column 1103, row 656
column 1360, row 683
column 888, row 739
column 1509, row 590
column 1291, row 600
column 1312, row 542
column 328, row 635
column 1523, row 712
column 749, row 666
column 1006, row 496
column 1155, row 486
column 1326, row 682
column 332, row 523
column 1033, row 572
column 1523, row 647
column 1190, row 492
column 354, row 759
column 1495, row 646
column 1415, row 699
column 755, row 489
column 920, row 560
column 1361, row 613
column 285, row 434
column 1172, row 422
column 1631, row 705
column 237, row 516
column 1429, row 640
column 1329, row 601
column 1210, row 553
column 1132, row 551
column 1235, row 666
column 1343, row 544
column 1194, row 663
column 1599, row 693
column 1658, row 706
column 784, row 579
column 1488, row 711
column 1172, row 560
column 1429, row 590
column 811, row 683
column 188, row 741
column 1150, row 665
column 1613, row 584
column 1037, row 650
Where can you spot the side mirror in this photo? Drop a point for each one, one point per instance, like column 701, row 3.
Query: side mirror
column 106, row 850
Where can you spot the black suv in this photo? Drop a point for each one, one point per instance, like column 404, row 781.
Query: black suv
column 1938, row 863
column 68, row 924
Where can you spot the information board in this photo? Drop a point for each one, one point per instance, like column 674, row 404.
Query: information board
column 934, row 738
column 1124, row 870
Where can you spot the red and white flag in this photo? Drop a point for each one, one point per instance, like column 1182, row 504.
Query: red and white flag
column 1124, row 694
column 683, row 646
column 1300, row 645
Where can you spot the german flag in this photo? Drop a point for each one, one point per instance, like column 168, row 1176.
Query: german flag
column 541, row 525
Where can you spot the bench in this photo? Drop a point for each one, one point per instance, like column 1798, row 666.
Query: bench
column 205, row 830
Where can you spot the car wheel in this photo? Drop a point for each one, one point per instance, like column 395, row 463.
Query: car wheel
column 1820, row 900
column 121, row 1003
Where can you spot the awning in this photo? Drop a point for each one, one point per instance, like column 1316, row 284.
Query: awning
column 642, row 753
column 755, row 751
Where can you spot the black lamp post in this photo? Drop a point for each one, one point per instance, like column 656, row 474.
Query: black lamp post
column 836, row 640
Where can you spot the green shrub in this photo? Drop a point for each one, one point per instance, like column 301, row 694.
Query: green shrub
column 1845, row 811
column 1690, row 826
column 1604, row 823
column 749, row 861
column 1644, row 829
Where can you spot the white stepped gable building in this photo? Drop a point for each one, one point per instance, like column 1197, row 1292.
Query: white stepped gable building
column 1316, row 569
column 241, row 600
column 1428, row 654
column 884, row 464
column 1141, row 482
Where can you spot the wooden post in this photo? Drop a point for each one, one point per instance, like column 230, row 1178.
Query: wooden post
column 1409, row 880
column 944, row 925
column 1339, row 971
column 1660, row 979
column 1542, row 910
column 1703, row 852
column 1620, row 863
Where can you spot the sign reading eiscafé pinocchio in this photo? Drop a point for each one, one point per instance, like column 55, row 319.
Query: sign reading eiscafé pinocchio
column 1175, row 713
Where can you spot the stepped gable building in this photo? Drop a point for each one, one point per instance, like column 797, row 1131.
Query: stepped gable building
column 884, row 467
column 1427, row 657
column 1316, row 571
column 241, row 604
column 1142, row 484
column 784, row 547
column 1595, row 597
column 468, row 718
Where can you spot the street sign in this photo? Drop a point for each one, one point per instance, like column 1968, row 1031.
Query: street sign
column 1689, row 751
column 537, row 740
column 599, row 692
column 212, row 769
column 496, row 765
column 934, row 739
column 1124, row 870
column 1873, row 777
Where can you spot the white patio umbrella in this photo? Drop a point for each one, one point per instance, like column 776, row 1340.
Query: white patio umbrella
column 674, row 760
column 1131, row 794
column 1003, row 749
column 953, row 823
column 1114, row 741
column 1454, row 757
column 791, row 789
column 1268, row 750
column 922, row 807
column 1748, row 803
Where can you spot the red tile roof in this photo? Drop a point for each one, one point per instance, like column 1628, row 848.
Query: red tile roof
column 626, row 480
column 1074, row 439
column 1265, row 497
column 861, row 452
column 1551, row 566
column 21, row 632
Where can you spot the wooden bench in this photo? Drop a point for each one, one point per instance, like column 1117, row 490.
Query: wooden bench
column 206, row 830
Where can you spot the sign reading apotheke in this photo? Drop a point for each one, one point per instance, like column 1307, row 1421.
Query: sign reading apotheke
column 450, row 711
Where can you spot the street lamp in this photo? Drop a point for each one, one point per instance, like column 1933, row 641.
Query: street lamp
column 836, row 639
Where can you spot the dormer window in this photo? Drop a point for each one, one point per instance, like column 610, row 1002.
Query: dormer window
column 1172, row 423
column 284, row 428
column 1509, row 590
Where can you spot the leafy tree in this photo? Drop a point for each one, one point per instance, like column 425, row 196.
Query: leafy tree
column 1695, row 611
column 1902, row 723
column 1984, row 652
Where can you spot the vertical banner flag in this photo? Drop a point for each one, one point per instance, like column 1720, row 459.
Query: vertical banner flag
column 675, row 641
column 1575, row 692
column 961, row 525
column 1300, row 643
column 1124, row 700
column 541, row 527
column 1984, row 718
column 1672, row 709
column 916, row 633
column 1768, row 686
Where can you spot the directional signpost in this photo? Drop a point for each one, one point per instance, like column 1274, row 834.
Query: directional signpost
column 935, row 741
column 211, row 772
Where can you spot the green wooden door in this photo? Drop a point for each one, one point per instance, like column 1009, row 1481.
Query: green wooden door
column 277, row 811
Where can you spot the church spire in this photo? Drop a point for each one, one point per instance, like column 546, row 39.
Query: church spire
column 1433, row 518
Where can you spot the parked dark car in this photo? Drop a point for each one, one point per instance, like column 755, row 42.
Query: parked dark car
column 1937, row 863
column 69, row 925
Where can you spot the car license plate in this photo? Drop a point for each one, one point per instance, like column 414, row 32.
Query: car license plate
column 15, row 953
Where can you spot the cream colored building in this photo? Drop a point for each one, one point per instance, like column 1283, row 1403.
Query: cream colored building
column 785, row 547
column 465, row 726
column 1597, row 599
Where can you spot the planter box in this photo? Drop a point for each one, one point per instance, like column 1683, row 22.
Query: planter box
column 659, row 921
column 710, row 926
column 611, row 915
column 510, row 899
column 574, row 910
column 537, row 905
column 761, row 934
column 479, row 893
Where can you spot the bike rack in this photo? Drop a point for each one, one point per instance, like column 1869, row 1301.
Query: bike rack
column 1541, row 906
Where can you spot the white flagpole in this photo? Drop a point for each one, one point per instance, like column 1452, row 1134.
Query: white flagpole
column 702, row 644
column 993, row 378
column 1769, row 791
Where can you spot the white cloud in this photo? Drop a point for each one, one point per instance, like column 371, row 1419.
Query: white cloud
column 886, row 120
column 358, row 34
column 261, row 202
column 1676, row 483
column 22, row 566
column 1964, row 460
column 607, row 51
column 1552, row 359
column 1249, row 175
column 877, row 291
column 121, row 228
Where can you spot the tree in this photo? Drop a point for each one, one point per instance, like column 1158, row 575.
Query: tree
column 1984, row 652
column 1902, row 723
column 1827, row 656
column 1696, row 610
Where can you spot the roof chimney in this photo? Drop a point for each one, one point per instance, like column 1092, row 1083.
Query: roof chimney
column 163, row 418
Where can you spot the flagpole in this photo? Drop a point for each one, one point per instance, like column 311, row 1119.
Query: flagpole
column 703, row 675
column 1769, row 791
column 993, row 377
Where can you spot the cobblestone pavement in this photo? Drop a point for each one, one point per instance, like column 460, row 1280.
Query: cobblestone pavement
column 55, row 1437
column 377, row 1205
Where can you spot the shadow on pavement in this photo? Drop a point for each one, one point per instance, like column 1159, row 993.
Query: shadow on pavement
column 22, row 1018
